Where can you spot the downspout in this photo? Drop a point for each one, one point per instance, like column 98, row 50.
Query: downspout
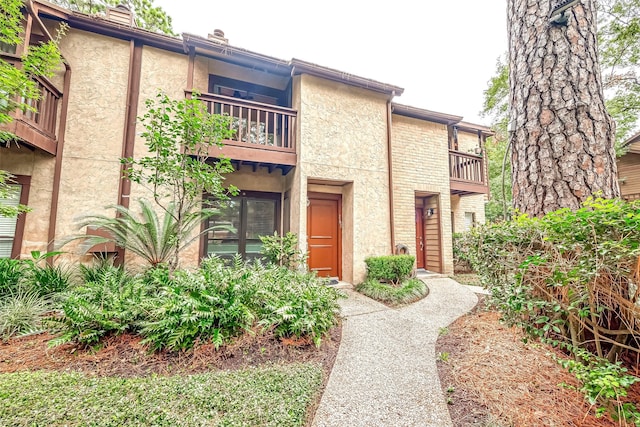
column 57, row 171
column 62, row 127
column 129, row 132
column 390, row 162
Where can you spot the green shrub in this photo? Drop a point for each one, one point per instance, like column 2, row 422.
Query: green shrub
column 461, row 250
column 392, row 268
column 175, row 310
column 95, row 271
column 11, row 271
column 47, row 279
column 604, row 384
column 296, row 304
column 282, row 250
column 111, row 304
column 21, row 312
column 191, row 308
column 566, row 275
column 409, row 291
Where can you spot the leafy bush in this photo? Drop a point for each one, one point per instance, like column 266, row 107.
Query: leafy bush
column 569, row 277
column 605, row 384
column 175, row 310
column 11, row 271
column 282, row 250
column 408, row 292
column 95, row 271
column 461, row 261
column 393, row 268
column 191, row 308
column 21, row 312
column 295, row 304
column 47, row 279
column 113, row 303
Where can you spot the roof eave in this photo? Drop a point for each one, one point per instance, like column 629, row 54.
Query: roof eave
column 422, row 114
column 302, row 67
column 214, row 49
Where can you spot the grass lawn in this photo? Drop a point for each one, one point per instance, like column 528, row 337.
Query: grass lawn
column 276, row 395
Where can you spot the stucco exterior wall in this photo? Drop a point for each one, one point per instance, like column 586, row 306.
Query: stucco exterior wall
column 95, row 122
column 420, row 167
column 342, row 139
column 39, row 166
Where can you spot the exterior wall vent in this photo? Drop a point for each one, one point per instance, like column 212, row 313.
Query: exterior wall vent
column 120, row 14
column 218, row 36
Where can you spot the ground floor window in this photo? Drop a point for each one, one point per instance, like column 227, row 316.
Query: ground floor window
column 11, row 227
column 241, row 222
column 469, row 220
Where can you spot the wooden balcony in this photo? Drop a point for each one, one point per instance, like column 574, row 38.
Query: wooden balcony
column 467, row 174
column 265, row 135
column 36, row 127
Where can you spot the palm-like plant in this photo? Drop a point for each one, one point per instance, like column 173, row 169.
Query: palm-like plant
column 156, row 240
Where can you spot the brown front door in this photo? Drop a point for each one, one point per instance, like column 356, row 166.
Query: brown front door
column 323, row 231
column 419, row 238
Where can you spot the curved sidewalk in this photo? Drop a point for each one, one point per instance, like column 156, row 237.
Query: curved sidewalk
column 385, row 373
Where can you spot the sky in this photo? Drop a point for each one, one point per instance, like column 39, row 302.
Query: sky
column 442, row 53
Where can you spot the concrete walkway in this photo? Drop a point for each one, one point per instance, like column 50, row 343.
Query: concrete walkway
column 385, row 373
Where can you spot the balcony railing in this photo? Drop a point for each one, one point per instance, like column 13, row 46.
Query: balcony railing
column 467, row 173
column 36, row 126
column 45, row 110
column 256, row 125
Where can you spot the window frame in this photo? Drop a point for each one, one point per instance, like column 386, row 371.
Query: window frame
column 242, row 238
column 25, row 183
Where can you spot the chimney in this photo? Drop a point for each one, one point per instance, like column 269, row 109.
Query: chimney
column 120, row 15
column 218, row 37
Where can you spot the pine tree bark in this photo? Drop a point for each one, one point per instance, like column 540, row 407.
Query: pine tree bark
column 561, row 135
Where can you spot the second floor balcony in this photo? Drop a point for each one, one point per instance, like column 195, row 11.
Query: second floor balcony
column 467, row 174
column 37, row 125
column 264, row 134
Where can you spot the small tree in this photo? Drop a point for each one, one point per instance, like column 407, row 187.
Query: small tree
column 17, row 86
column 181, row 136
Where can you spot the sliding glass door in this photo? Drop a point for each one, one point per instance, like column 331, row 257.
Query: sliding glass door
column 241, row 222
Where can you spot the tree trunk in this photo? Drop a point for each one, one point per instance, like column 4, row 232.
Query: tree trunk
column 561, row 135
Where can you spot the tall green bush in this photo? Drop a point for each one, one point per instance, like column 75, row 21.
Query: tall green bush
column 570, row 277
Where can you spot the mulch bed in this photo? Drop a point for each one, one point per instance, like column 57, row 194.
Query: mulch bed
column 493, row 379
column 124, row 356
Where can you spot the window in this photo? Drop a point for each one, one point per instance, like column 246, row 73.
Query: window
column 241, row 222
column 469, row 220
column 11, row 229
